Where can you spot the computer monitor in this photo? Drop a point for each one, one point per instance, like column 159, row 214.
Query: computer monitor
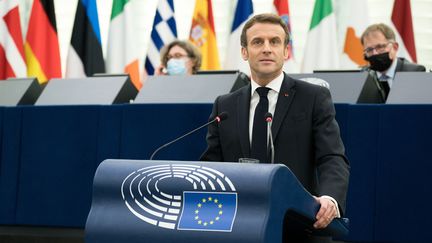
column 100, row 90
column 344, row 87
column 203, row 88
column 19, row 91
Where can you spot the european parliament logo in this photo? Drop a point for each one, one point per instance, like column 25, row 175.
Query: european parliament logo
column 208, row 201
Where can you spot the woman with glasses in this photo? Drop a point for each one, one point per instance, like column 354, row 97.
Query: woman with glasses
column 179, row 58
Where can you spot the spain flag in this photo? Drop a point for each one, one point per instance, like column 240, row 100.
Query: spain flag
column 41, row 46
column 203, row 35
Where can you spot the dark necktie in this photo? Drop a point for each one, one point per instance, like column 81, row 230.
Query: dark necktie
column 384, row 84
column 259, row 132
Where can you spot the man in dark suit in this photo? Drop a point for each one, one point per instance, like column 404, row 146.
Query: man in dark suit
column 380, row 50
column 305, row 132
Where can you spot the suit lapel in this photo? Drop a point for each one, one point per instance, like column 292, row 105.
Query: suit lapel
column 286, row 95
column 243, row 106
column 399, row 64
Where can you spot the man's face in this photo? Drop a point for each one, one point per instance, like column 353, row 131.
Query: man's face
column 376, row 43
column 265, row 51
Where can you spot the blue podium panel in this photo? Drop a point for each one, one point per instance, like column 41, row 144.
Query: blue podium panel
column 403, row 174
column 146, row 127
column 163, row 201
column 58, row 160
column 362, row 150
column 10, row 163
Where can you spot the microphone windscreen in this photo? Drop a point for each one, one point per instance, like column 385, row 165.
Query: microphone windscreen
column 223, row 115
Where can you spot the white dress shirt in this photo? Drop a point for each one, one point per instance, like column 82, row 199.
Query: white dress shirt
column 272, row 96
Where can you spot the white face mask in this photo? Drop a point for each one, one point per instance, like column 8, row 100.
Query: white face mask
column 176, row 66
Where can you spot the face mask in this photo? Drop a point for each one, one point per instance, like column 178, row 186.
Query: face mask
column 380, row 62
column 176, row 66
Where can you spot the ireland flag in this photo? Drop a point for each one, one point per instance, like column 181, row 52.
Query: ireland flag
column 321, row 50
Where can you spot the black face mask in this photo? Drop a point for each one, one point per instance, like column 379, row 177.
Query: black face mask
column 380, row 62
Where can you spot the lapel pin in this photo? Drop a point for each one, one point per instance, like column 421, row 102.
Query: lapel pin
column 286, row 94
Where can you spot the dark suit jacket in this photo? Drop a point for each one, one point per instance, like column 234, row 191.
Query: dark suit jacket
column 404, row 65
column 306, row 136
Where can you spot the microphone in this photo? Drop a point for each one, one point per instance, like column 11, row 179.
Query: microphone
column 222, row 116
column 269, row 119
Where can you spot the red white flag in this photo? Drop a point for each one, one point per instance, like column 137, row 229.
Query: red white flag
column 402, row 21
column 12, row 61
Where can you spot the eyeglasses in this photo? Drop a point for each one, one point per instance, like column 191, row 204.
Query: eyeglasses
column 176, row 56
column 380, row 48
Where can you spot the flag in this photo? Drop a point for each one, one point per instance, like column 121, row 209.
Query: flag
column 282, row 9
column 203, row 35
column 164, row 31
column 352, row 18
column 234, row 60
column 12, row 60
column 42, row 47
column 321, row 50
column 122, row 55
column 85, row 56
column 208, row 211
column 402, row 21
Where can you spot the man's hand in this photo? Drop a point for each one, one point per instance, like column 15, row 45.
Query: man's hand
column 326, row 213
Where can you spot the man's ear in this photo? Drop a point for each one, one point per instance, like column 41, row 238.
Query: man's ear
column 395, row 45
column 244, row 53
column 286, row 52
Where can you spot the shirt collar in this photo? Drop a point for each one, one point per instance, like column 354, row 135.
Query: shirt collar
column 274, row 85
column 391, row 71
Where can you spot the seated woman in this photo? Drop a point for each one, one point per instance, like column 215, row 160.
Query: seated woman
column 179, row 58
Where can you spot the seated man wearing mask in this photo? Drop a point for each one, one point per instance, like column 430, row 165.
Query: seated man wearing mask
column 380, row 50
column 179, row 58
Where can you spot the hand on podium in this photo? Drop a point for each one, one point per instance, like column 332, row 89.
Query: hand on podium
column 326, row 213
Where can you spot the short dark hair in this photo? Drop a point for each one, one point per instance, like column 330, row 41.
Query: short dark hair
column 191, row 50
column 268, row 19
column 383, row 28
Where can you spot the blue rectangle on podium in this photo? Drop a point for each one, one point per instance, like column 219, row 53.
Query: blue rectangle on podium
column 204, row 211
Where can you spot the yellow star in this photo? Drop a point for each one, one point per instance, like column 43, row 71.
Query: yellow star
column 220, row 206
column 205, row 223
column 196, row 211
column 204, row 200
column 199, row 222
column 220, row 212
column 196, row 217
column 199, row 205
column 210, row 199
column 212, row 222
column 216, row 200
column 217, row 218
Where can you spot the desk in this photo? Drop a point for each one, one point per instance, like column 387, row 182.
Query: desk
column 49, row 155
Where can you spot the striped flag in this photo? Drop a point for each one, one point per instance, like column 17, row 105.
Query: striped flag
column 122, row 55
column 402, row 21
column 321, row 51
column 85, row 56
column 12, row 60
column 42, row 47
column 203, row 35
column 352, row 19
column 164, row 31
column 234, row 60
column 282, row 9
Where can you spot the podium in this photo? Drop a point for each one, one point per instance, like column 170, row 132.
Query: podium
column 179, row 201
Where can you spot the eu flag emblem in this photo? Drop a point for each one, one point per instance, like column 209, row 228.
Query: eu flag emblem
column 208, row 211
